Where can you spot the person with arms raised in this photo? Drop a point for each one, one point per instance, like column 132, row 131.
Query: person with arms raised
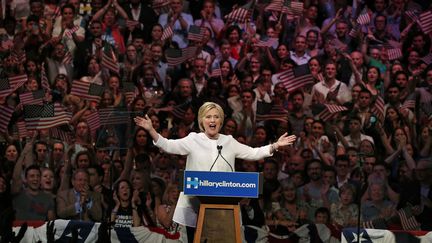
column 198, row 147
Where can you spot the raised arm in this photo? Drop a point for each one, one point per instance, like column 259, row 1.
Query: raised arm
column 98, row 15
column 146, row 123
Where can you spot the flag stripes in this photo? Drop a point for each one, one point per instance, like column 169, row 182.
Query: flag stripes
column 240, row 14
column 291, row 82
column 86, row 90
column 364, row 17
column 378, row 108
column 9, row 85
column 161, row 6
column 277, row 113
column 167, row 33
column 44, row 117
column 427, row 59
column 5, row 116
column 109, row 60
column 35, row 98
column 113, row 116
column 93, row 121
column 425, row 21
column 330, row 111
column 196, row 33
column 267, row 43
column 177, row 56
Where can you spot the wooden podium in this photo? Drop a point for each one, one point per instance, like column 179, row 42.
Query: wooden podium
column 219, row 212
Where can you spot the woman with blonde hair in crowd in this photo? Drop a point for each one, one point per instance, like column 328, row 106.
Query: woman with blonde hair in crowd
column 165, row 211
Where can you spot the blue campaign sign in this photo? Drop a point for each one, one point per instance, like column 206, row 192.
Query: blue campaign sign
column 221, row 184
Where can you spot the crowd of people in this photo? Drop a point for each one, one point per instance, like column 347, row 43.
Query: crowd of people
column 363, row 119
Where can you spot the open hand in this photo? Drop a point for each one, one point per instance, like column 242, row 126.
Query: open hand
column 144, row 122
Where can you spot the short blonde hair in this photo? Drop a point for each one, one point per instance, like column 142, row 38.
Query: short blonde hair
column 206, row 107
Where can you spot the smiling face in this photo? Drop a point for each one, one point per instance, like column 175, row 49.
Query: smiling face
column 33, row 178
column 124, row 191
column 372, row 75
column 47, row 180
column 289, row 194
column 212, row 123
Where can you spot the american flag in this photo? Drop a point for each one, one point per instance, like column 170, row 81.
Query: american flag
column 57, row 12
column 130, row 90
column 407, row 219
column 58, row 133
column 393, row 50
column 9, row 85
column 45, row 116
column 167, row 33
column 5, row 116
column 292, row 8
column 275, row 6
column 196, row 33
column 413, row 15
column 425, row 21
column 32, row 98
column 22, row 130
column 5, row 88
column 216, row 73
column 161, row 6
column 67, row 58
column 109, row 60
column 93, row 121
column 20, row 57
column 272, row 112
column 355, row 31
column 86, row 90
column 177, row 56
column 68, row 33
column 378, row 108
column 330, row 111
column 427, row 59
column 113, row 116
column 44, row 79
column 266, row 43
column 241, row 14
column 364, row 17
column 394, row 53
column 295, row 78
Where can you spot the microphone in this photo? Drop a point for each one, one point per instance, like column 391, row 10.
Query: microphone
column 219, row 148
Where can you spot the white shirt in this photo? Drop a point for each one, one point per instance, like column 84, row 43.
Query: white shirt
column 201, row 152
column 343, row 96
column 300, row 60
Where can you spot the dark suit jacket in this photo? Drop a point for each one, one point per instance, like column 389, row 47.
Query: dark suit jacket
column 66, row 206
column 147, row 18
